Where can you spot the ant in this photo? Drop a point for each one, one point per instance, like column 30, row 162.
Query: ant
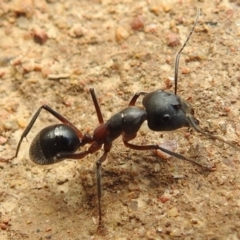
column 163, row 111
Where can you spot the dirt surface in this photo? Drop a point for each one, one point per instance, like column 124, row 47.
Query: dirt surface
column 53, row 52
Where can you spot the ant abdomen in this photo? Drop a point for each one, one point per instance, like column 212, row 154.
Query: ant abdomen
column 51, row 142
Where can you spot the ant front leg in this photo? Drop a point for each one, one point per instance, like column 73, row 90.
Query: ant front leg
column 127, row 138
column 34, row 118
column 135, row 97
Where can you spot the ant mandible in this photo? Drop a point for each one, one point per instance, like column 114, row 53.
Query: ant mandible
column 163, row 111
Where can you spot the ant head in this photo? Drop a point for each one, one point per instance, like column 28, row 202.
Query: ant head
column 166, row 111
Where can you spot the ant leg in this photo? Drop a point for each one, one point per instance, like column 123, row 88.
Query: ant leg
column 96, row 105
column 135, row 97
column 99, row 162
column 34, row 118
column 127, row 138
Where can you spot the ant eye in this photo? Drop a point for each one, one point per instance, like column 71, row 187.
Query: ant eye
column 166, row 118
column 177, row 107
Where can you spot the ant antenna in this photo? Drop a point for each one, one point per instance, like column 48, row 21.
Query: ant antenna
column 176, row 67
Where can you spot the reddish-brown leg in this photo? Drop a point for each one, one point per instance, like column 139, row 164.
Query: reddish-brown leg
column 96, row 105
column 127, row 138
column 135, row 97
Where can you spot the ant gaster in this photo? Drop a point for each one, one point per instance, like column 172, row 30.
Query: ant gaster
column 163, row 111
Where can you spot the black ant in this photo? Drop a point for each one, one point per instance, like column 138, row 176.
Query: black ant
column 163, row 111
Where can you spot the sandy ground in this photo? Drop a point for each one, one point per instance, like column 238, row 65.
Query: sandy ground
column 53, row 52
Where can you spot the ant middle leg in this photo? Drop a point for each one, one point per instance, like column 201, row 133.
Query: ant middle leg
column 135, row 97
column 96, row 105
column 127, row 138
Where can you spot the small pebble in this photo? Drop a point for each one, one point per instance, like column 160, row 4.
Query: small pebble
column 3, row 226
column 22, row 122
column 25, row 7
column 121, row 34
column 185, row 70
column 173, row 212
column 39, row 36
column 76, row 31
column 23, row 22
column 173, row 39
column 156, row 9
column 137, row 23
